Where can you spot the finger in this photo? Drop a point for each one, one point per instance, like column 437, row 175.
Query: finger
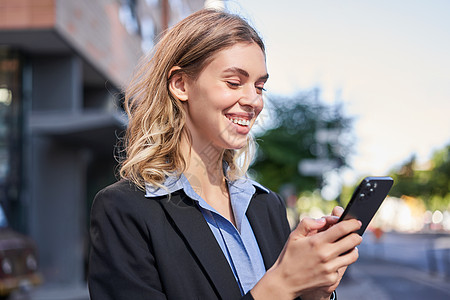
column 333, row 287
column 342, row 270
column 337, row 211
column 347, row 244
column 342, row 229
column 341, row 262
column 308, row 225
column 330, row 221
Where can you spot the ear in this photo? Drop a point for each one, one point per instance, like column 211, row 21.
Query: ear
column 177, row 84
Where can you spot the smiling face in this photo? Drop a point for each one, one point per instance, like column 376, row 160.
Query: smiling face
column 222, row 103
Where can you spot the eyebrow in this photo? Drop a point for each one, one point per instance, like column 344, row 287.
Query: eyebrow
column 244, row 73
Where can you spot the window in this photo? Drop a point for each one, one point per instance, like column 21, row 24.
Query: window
column 128, row 16
column 10, row 126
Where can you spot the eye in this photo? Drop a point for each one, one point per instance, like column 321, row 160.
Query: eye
column 260, row 89
column 233, row 84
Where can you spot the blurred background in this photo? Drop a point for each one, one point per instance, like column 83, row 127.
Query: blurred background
column 356, row 89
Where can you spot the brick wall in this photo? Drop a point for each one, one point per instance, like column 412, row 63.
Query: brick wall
column 19, row 14
column 92, row 28
column 95, row 30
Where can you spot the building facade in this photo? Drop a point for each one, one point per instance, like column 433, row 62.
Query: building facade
column 63, row 66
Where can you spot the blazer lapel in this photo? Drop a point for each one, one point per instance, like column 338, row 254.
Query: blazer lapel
column 191, row 223
column 259, row 219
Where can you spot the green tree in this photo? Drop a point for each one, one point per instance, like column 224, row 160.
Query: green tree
column 439, row 181
column 431, row 184
column 302, row 128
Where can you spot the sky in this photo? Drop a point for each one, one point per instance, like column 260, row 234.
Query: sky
column 387, row 61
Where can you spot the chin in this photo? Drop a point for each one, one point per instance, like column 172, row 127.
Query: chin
column 235, row 141
column 237, row 146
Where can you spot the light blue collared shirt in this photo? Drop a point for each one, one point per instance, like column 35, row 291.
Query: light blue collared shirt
column 238, row 243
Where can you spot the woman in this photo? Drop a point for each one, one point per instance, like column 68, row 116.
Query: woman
column 184, row 222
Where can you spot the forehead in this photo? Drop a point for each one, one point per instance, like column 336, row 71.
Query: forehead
column 245, row 56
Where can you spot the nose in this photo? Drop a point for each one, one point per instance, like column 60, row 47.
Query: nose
column 251, row 97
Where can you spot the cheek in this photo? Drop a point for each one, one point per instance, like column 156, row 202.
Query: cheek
column 215, row 96
column 259, row 106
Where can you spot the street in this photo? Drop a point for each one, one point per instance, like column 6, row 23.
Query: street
column 399, row 266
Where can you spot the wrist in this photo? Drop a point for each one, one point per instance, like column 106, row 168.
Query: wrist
column 271, row 286
column 316, row 296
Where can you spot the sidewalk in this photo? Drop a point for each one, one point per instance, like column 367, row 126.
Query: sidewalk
column 398, row 265
column 359, row 281
column 356, row 285
column 53, row 293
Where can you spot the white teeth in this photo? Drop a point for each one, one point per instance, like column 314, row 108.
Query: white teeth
column 240, row 121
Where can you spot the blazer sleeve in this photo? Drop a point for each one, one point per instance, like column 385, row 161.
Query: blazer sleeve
column 122, row 265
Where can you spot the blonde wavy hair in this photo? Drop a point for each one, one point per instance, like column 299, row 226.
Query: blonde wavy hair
column 152, row 141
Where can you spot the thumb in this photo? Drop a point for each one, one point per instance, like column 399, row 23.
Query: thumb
column 309, row 225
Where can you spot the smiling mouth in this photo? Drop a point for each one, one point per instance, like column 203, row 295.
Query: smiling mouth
column 239, row 121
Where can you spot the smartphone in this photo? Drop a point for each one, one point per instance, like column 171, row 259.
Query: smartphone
column 366, row 200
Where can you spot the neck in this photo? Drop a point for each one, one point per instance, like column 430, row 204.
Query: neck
column 205, row 164
column 204, row 171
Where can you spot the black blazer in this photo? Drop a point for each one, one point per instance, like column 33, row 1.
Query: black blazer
column 162, row 248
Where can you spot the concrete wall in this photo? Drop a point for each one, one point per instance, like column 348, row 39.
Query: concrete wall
column 78, row 55
column 57, row 83
column 57, row 175
column 58, row 211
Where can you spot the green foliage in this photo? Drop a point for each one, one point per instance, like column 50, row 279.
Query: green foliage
column 431, row 184
column 346, row 194
column 309, row 201
column 293, row 138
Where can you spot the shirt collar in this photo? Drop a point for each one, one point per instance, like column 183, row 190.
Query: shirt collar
column 241, row 193
column 176, row 183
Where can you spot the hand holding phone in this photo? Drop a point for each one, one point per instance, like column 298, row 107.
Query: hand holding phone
column 366, row 200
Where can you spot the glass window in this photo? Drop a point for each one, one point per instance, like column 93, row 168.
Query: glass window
column 128, row 16
column 10, row 126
